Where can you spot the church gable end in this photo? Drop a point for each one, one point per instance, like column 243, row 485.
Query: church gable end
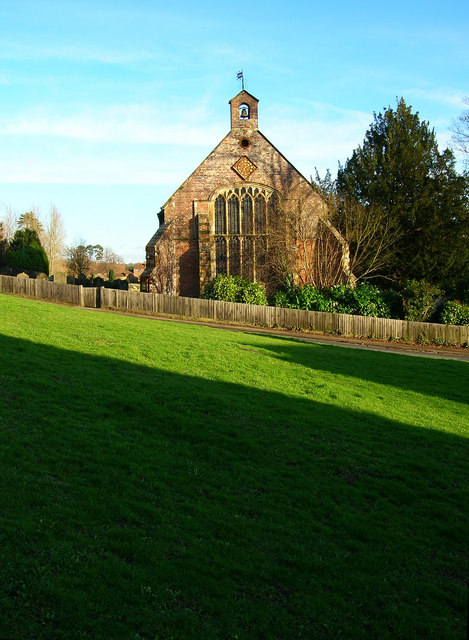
column 221, row 214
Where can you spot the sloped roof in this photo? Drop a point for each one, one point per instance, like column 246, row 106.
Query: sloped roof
column 246, row 93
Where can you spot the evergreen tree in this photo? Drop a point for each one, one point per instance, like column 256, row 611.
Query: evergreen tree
column 29, row 220
column 400, row 170
column 26, row 252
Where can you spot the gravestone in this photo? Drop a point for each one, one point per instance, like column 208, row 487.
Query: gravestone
column 60, row 277
column 42, row 276
column 22, row 275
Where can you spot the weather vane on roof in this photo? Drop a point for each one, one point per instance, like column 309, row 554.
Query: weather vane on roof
column 240, row 76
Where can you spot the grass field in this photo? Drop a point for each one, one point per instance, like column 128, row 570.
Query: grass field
column 169, row 481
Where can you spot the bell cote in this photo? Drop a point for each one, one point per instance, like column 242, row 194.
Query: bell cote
column 244, row 111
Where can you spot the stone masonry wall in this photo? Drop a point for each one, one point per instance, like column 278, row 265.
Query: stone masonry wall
column 190, row 209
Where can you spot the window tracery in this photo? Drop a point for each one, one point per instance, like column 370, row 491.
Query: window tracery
column 246, row 208
column 233, row 215
column 241, row 218
column 220, row 257
column 220, row 217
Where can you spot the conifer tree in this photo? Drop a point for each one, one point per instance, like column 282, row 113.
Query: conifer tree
column 26, row 252
column 399, row 169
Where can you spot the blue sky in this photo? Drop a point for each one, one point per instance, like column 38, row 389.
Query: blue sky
column 106, row 107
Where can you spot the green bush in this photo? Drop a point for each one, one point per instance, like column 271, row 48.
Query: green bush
column 364, row 300
column 378, row 303
column 31, row 258
column 455, row 313
column 281, row 299
column 343, row 299
column 420, row 299
column 235, row 289
column 309, row 298
column 306, row 297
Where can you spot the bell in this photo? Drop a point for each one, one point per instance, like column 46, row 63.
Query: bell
column 244, row 113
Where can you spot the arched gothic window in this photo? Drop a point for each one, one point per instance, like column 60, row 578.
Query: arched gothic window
column 259, row 207
column 261, row 258
column 221, row 255
column 241, row 221
column 220, row 215
column 273, row 204
column 235, row 255
column 233, row 215
column 246, row 209
column 248, row 258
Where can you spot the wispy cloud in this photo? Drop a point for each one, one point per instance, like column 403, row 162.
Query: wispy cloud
column 141, row 144
column 443, row 95
column 22, row 51
column 320, row 141
column 89, row 170
column 120, row 124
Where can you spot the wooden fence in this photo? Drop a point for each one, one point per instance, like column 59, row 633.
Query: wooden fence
column 46, row 290
column 236, row 313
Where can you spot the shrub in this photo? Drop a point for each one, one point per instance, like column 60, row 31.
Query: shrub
column 344, row 298
column 252, row 293
column 311, row 299
column 282, row 299
column 378, row 303
column 420, row 299
column 455, row 313
column 26, row 252
column 31, row 258
column 365, row 300
column 236, row 289
column 222, row 288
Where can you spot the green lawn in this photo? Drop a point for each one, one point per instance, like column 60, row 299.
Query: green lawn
column 170, row 481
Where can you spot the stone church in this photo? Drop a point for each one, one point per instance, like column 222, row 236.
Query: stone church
column 228, row 214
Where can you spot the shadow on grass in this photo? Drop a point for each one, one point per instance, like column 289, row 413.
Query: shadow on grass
column 447, row 379
column 140, row 503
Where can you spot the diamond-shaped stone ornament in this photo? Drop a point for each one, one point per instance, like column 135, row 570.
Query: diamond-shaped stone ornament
column 244, row 167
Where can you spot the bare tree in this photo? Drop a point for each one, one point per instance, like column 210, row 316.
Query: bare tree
column 331, row 257
column 54, row 239
column 371, row 234
column 3, row 246
column 10, row 223
column 460, row 129
column 304, row 243
column 77, row 259
column 110, row 256
column 367, row 232
column 163, row 277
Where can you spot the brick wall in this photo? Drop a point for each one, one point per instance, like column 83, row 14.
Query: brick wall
column 193, row 199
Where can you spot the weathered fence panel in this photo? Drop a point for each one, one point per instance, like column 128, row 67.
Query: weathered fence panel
column 90, row 296
column 233, row 312
column 46, row 290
